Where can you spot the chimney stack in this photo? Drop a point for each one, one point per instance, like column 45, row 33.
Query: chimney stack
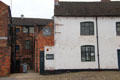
column 56, row 2
column 105, row 0
column 22, row 16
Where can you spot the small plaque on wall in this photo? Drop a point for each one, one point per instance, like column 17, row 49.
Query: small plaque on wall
column 49, row 56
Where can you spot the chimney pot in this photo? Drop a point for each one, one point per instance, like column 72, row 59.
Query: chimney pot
column 105, row 0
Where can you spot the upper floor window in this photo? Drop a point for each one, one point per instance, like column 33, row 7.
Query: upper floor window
column 27, row 44
column 17, row 29
column 25, row 29
column 118, row 28
column 28, row 29
column 87, row 53
column 87, row 28
column 47, row 31
column 17, row 47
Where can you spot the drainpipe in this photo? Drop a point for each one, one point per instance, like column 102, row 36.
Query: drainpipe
column 97, row 37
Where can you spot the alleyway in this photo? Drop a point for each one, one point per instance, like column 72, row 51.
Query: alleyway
column 92, row 75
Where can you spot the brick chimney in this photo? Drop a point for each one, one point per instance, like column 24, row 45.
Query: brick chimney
column 22, row 16
column 56, row 2
column 105, row 0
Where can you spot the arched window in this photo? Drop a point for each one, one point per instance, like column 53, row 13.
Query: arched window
column 87, row 28
column 87, row 53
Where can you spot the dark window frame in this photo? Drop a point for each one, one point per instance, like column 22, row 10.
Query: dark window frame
column 17, row 47
column 87, row 30
column 27, row 45
column 17, row 30
column 118, row 29
column 88, row 53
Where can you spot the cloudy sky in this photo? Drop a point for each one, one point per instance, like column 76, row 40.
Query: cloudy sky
column 35, row 8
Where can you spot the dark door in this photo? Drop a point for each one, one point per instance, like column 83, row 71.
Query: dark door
column 18, row 66
column 118, row 59
column 41, row 62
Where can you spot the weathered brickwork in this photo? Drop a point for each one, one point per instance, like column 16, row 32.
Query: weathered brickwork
column 24, row 55
column 40, row 42
column 4, row 61
column 5, row 49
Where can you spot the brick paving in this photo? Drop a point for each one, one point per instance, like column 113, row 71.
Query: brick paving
column 85, row 75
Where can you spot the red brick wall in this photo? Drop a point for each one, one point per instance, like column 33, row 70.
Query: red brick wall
column 5, row 52
column 40, row 42
column 23, row 53
column 4, row 61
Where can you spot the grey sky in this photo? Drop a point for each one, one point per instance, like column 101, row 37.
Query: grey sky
column 35, row 8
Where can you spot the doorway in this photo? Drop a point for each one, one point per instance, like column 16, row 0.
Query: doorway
column 41, row 62
column 118, row 52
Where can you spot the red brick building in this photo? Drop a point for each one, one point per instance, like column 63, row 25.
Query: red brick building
column 5, row 49
column 22, row 40
column 45, row 37
column 25, row 31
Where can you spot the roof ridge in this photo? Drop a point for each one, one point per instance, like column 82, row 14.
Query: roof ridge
column 32, row 18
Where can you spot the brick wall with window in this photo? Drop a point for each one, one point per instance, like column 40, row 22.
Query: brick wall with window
column 25, row 45
column 5, row 49
column 44, row 38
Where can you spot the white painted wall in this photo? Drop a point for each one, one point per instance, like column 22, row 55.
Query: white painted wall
column 49, row 64
column 109, row 42
column 68, row 42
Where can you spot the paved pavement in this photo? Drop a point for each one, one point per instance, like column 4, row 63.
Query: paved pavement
column 7, row 79
column 85, row 75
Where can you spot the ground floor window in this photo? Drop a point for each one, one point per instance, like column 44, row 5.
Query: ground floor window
column 27, row 44
column 87, row 53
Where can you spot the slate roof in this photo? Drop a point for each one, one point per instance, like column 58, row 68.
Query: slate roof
column 29, row 21
column 89, row 9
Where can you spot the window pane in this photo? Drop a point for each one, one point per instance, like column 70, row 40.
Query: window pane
column 87, row 56
column 47, row 31
column 17, row 29
column 17, row 47
column 91, row 29
column 31, row 29
column 27, row 44
column 83, row 53
column 118, row 28
column 25, row 29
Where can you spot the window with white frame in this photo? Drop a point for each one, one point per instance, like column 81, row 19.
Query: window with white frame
column 87, row 53
column 87, row 28
column 25, row 29
column 31, row 29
